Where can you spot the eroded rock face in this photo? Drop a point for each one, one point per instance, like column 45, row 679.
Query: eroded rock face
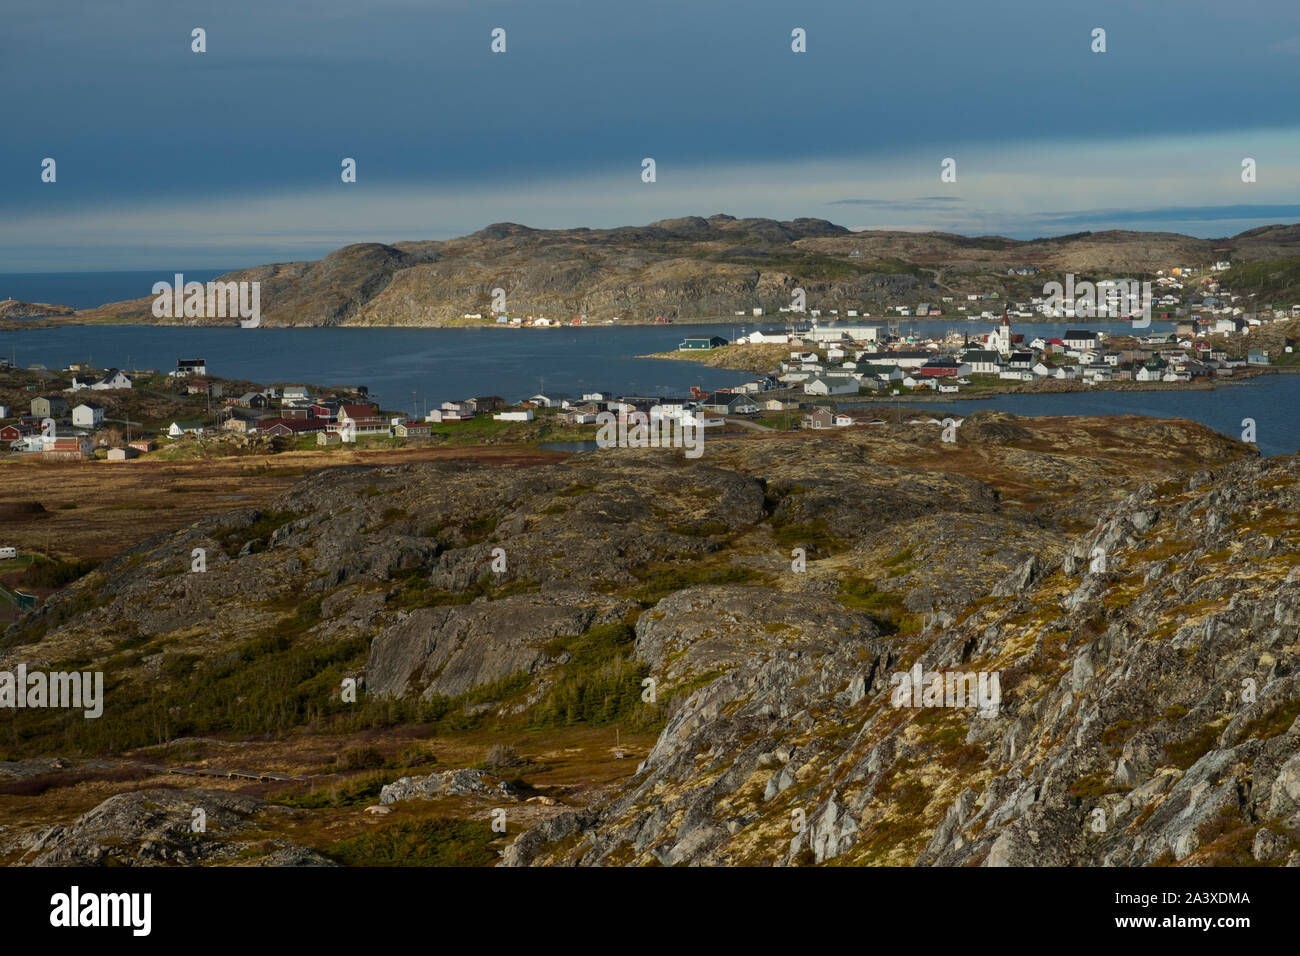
column 715, row 628
column 1150, row 712
column 154, row 828
column 783, row 663
column 451, row 650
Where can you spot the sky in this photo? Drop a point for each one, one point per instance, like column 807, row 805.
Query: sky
column 170, row 159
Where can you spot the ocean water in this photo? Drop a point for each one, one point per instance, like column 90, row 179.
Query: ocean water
column 85, row 290
column 408, row 369
column 1270, row 401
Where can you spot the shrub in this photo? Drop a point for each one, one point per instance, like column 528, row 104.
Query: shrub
column 436, row 842
column 44, row 573
column 360, row 758
column 501, row 757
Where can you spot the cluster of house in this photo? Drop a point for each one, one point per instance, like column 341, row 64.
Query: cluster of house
column 57, row 429
column 842, row 367
column 295, row 412
column 585, row 409
column 533, row 321
column 467, row 409
column 821, row 418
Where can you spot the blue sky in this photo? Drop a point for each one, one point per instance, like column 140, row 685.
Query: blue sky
column 170, row 159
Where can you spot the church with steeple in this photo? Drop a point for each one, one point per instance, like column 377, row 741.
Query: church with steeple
column 999, row 339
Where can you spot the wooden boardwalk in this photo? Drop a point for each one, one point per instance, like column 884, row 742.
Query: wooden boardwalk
column 262, row 776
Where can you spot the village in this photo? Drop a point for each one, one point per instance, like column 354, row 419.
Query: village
column 841, row 360
column 70, row 424
column 842, row 357
column 808, row 374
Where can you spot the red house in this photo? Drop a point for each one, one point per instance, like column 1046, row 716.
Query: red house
column 358, row 413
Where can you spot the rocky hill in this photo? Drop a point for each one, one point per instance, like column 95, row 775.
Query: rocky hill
column 13, row 309
column 690, row 268
column 1148, row 714
column 1132, row 584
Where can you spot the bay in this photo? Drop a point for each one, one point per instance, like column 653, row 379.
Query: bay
column 408, row 369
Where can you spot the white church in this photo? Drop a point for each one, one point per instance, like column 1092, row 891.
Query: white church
column 999, row 339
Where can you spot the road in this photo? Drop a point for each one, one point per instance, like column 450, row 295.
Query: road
column 746, row 423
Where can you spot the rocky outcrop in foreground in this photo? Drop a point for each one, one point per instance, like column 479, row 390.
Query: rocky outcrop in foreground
column 161, row 828
column 1149, row 713
column 1111, row 604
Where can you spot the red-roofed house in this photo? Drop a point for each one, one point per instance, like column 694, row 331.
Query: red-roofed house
column 14, row 432
column 361, row 420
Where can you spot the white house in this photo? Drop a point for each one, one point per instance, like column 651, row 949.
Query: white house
column 670, row 411
column 1097, row 373
column 522, row 416
column 1080, row 339
column 766, row 338
column 796, row 376
column 177, row 429
column 113, row 379
column 547, row 401
column 828, row 385
column 983, row 361
column 88, row 415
